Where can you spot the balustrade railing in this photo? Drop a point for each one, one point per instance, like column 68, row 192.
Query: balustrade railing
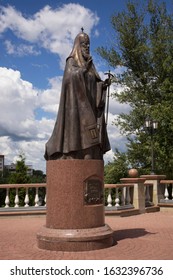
column 148, row 195
column 123, row 196
column 167, row 191
column 118, row 196
column 18, row 196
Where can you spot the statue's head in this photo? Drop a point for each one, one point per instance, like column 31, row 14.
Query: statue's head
column 81, row 48
column 84, row 43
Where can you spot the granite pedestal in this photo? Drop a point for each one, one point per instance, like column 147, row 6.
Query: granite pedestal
column 75, row 219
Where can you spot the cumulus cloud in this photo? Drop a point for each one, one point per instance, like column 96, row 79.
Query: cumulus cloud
column 19, row 128
column 117, row 141
column 20, row 50
column 53, row 29
column 33, row 150
column 18, row 101
column 49, row 98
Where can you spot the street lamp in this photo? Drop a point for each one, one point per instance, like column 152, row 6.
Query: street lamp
column 151, row 127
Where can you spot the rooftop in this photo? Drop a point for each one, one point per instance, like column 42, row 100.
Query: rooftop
column 140, row 237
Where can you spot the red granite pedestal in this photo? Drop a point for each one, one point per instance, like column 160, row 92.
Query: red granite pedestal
column 75, row 219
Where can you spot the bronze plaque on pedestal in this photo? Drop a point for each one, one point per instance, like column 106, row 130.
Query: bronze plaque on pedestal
column 93, row 192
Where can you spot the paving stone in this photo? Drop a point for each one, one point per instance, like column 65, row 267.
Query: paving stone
column 141, row 237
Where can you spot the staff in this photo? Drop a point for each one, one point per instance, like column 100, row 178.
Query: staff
column 108, row 94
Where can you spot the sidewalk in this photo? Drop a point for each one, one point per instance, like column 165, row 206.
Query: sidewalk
column 140, row 237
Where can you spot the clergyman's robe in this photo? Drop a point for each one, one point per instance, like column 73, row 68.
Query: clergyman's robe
column 80, row 122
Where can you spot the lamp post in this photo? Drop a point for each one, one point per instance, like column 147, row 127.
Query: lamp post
column 151, row 127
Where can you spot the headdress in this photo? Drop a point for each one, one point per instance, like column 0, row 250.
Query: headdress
column 76, row 51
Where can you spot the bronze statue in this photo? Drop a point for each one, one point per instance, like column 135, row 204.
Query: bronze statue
column 80, row 129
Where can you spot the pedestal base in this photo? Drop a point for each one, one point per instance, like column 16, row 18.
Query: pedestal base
column 75, row 219
column 75, row 240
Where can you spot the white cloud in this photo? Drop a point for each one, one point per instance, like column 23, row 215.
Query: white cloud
column 19, row 128
column 6, row 145
column 20, row 50
column 53, row 29
column 49, row 98
column 18, row 101
column 33, row 151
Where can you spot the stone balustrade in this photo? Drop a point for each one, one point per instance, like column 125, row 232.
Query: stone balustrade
column 167, row 191
column 19, row 203
column 154, row 181
column 159, row 192
column 118, row 196
column 138, row 192
column 148, row 195
column 131, row 194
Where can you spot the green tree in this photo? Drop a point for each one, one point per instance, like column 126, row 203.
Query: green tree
column 4, row 176
column 19, row 177
column 38, row 177
column 117, row 169
column 143, row 47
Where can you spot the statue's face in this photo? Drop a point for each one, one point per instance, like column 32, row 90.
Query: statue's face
column 85, row 47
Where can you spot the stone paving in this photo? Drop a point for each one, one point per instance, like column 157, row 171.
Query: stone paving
column 140, row 237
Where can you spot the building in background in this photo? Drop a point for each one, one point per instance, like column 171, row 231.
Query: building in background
column 12, row 167
column 1, row 164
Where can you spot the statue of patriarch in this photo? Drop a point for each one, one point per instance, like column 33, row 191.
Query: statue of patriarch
column 80, row 129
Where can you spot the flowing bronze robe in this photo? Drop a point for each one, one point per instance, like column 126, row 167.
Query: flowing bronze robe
column 80, row 123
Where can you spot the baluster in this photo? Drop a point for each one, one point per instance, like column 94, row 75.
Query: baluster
column 166, row 194
column 128, row 199
column 109, row 199
column 16, row 201
column 117, row 200
column 36, row 198
column 26, row 198
column 45, row 200
column 122, row 196
column 7, row 200
column 147, row 194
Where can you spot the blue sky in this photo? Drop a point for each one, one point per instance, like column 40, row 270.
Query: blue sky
column 36, row 37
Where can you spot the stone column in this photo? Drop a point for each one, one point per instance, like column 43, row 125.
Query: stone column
column 158, row 192
column 75, row 219
column 138, row 193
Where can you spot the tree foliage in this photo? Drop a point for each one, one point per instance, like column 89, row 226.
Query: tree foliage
column 117, row 169
column 143, row 46
column 20, row 176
